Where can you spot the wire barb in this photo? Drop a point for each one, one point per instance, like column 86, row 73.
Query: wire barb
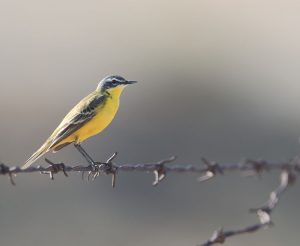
column 56, row 168
column 218, row 236
column 212, row 169
column 160, row 172
column 5, row 170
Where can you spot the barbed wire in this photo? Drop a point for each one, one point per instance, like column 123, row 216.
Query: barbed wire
column 210, row 169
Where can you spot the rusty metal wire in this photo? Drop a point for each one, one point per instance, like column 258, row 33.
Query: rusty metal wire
column 210, row 169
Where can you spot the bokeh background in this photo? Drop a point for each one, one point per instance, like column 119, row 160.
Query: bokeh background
column 216, row 78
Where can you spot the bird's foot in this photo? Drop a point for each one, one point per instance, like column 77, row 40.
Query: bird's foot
column 107, row 167
column 94, row 166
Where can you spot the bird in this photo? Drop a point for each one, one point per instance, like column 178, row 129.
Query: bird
column 86, row 119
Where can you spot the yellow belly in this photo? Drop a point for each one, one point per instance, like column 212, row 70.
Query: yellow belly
column 103, row 118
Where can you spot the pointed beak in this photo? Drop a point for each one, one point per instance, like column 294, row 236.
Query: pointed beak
column 129, row 82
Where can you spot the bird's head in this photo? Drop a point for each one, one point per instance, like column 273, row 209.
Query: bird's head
column 112, row 82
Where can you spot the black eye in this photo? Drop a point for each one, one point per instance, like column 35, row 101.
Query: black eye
column 114, row 82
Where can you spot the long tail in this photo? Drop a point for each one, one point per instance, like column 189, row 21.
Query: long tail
column 36, row 155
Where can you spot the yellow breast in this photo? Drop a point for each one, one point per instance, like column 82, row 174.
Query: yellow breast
column 103, row 118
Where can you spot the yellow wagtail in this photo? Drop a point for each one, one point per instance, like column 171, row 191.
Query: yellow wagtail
column 88, row 118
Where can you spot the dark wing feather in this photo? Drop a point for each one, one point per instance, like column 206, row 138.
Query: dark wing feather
column 82, row 113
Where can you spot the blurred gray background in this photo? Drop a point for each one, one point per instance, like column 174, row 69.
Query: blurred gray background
column 216, row 78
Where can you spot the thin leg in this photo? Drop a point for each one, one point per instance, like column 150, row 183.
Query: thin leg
column 85, row 155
